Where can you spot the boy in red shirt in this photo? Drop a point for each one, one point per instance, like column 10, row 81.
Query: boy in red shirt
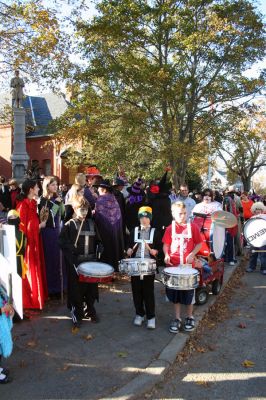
column 181, row 243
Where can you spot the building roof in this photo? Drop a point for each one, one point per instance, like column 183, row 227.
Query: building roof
column 40, row 110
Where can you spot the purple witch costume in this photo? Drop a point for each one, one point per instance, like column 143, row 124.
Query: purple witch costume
column 55, row 270
column 108, row 221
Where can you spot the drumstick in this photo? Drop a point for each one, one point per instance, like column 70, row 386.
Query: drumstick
column 75, row 245
column 258, row 251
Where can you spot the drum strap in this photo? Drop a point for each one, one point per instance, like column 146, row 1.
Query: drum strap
column 143, row 241
column 87, row 235
column 178, row 238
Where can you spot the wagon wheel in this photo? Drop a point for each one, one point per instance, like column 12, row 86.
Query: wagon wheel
column 216, row 286
column 201, row 296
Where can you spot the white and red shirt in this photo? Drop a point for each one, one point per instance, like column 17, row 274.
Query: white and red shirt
column 182, row 239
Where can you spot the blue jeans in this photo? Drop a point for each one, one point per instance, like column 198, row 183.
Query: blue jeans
column 229, row 253
column 254, row 257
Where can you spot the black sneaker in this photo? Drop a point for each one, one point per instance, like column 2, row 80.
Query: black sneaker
column 175, row 326
column 189, row 324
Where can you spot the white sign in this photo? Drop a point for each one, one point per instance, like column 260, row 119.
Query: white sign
column 9, row 278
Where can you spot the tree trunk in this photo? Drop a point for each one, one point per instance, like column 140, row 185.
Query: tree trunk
column 246, row 183
column 179, row 168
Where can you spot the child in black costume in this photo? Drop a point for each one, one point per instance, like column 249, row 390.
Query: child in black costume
column 78, row 241
column 143, row 289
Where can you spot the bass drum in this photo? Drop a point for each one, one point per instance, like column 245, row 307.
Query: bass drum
column 213, row 236
column 255, row 230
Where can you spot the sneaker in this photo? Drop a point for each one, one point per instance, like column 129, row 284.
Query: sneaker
column 77, row 324
column 263, row 272
column 189, row 324
column 232, row 263
column 151, row 323
column 138, row 320
column 249, row 269
column 175, row 326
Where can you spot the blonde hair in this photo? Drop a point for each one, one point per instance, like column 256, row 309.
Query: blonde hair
column 80, row 202
column 80, row 179
column 74, row 192
column 178, row 204
column 46, row 182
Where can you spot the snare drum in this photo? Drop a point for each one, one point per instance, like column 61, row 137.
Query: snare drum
column 213, row 236
column 95, row 272
column 255, row 230
column 137, row 266
column 180, row 278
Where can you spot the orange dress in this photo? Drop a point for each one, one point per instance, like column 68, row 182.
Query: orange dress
column 34, row 285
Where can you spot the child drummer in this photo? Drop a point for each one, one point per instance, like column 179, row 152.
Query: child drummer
column 78, row 241
column 181, row 243
column 144, row 242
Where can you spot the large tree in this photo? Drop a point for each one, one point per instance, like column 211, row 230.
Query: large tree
column 154, row 69
column 241, row 143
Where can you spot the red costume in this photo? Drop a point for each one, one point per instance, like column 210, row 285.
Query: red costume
column 34, row 286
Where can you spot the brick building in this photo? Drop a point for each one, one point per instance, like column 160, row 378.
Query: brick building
column 43, row 153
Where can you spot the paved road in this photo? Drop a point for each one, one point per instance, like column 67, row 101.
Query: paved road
column 215, row 369
column 112, row 359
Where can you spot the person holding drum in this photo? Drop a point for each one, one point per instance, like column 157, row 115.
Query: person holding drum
column 208, row 205
column 181, row 243
column 257, row 209
column 78, row 241
column 144, row 243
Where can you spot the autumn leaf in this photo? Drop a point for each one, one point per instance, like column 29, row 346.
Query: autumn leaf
column 201, row 350
column 203, row 383
column 88, row 337
column 122, row 354
column 248, row 364
column 32, row 343
column 74, row 330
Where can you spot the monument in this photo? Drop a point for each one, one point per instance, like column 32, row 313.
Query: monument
column 19, row 157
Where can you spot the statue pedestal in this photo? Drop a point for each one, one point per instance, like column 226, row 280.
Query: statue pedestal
column 19, row 157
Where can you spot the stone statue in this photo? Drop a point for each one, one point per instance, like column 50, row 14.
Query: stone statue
column 17, row 85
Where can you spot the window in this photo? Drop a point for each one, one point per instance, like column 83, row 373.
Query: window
column 47, row 167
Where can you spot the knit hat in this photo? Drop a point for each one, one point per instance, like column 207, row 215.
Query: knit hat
column 145, row 212
column 135, row 189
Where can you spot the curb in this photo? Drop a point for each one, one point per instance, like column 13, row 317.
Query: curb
column 155, row 371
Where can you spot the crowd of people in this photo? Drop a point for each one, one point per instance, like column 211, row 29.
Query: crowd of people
column 58, row 227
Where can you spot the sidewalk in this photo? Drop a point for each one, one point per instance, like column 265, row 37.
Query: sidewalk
column 109, row 360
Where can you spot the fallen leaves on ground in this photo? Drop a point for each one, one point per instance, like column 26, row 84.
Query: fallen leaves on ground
column 248, row 364
column 74, row 330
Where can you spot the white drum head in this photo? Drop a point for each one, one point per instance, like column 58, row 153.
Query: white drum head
column 255, row 231
column 181, row 270
column 94, row 268
column 218, row 240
